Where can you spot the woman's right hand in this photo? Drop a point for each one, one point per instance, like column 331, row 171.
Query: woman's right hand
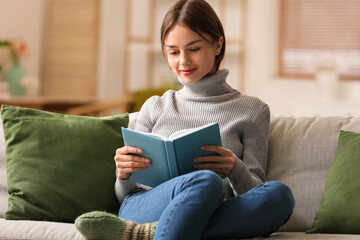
column 126, row 163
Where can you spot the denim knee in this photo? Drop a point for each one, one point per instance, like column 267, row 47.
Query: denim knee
column 210, row 180
column 284, row 194
column 282, row 197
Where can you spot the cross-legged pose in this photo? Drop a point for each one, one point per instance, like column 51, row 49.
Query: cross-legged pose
column 201, row 204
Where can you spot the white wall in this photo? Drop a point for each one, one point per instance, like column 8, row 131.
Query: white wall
column 23, row 19
column 112, row 26
column 286, row 96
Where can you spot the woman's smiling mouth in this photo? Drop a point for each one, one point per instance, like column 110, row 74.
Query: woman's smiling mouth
column 188, row 71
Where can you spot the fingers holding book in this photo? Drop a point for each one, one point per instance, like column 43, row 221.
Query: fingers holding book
column 127, row 161
column 223, row 163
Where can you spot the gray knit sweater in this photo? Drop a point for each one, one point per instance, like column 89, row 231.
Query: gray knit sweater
column 243, row 120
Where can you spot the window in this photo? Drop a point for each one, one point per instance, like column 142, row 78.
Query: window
column 70, row 48
column 319, row 33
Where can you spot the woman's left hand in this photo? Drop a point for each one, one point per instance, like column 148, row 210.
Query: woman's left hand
column 222, row 164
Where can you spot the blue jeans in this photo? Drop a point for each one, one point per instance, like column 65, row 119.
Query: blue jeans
column 191, row 206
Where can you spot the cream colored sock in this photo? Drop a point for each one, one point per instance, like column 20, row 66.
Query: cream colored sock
column 106, row 226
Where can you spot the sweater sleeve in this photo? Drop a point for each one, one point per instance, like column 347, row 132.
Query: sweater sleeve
column 144, row 123
column 250, row 170
column 123, row 187
column 146, row 119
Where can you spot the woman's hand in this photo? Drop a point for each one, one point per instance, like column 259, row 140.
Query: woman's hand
column 126, row 163
column 222, row 164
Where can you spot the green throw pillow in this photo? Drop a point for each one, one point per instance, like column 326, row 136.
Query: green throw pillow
column 59, row 166
column 339, row 210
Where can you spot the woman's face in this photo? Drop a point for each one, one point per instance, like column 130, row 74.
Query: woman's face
column 189, row 55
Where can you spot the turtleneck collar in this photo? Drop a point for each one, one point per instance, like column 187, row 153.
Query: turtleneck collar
column 212, row 85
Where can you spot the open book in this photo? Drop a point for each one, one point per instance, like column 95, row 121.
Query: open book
column 173, row 156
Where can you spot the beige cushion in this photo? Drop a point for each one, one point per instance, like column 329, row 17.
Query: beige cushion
column 51, row 230
column 300, row 153
column 304, row 236
column 38, row 230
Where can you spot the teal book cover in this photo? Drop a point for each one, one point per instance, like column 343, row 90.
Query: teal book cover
column 172, row 156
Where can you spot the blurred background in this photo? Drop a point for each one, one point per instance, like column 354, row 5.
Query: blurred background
column 302, row 57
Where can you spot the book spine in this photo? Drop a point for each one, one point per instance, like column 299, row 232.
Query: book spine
column 171, row 159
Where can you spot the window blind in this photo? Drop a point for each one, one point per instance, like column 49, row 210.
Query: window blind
column 321, row 32
column 70, row 48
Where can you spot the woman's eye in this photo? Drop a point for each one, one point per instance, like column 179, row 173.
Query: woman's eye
column 194, row 49
column 173, row 53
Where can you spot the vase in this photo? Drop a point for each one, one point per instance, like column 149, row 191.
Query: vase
column 13, row 77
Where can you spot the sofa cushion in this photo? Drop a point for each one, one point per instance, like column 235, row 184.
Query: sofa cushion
column 26, row 230
column 59, row 166
column 339, row 210
column 3, row 188
column 38, row 230
column 3, row 184
column 301, row 150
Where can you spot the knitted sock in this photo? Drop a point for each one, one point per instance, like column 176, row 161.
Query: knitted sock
column 106, row 226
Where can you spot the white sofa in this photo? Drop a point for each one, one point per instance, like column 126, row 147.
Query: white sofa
column 301, row 151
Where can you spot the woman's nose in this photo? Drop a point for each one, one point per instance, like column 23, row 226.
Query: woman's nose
column 184, row 59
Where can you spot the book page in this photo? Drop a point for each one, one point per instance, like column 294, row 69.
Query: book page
column 184, row 132
column 154, row 135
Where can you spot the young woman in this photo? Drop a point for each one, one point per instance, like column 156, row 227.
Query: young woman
column 199, row 204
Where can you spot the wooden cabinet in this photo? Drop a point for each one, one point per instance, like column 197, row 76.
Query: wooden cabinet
column 53, row 104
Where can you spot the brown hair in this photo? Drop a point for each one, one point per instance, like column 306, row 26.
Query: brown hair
column 200, row 17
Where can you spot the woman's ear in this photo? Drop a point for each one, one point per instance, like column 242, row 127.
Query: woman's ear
column 219, row 45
